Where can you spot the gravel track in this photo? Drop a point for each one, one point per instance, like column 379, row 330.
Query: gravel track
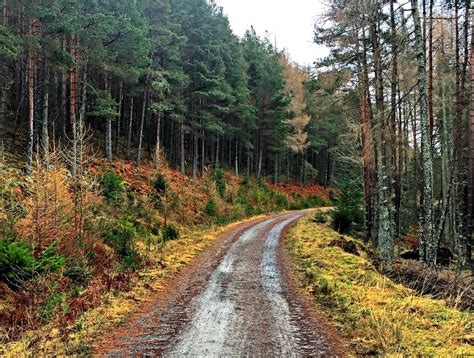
column 238, row 300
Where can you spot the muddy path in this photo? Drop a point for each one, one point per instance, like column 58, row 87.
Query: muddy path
column 237, row 298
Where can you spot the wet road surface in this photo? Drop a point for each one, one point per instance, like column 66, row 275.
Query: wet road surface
column 239, row 305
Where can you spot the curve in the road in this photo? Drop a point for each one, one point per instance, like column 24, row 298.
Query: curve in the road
column 245, row 308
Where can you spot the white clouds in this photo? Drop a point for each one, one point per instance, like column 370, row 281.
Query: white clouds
column 291, row 22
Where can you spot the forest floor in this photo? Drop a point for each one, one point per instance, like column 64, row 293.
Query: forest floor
column 236, row 298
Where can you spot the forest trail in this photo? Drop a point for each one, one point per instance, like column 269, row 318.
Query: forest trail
column 237, row 299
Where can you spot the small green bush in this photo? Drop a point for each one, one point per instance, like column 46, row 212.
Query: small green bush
column 78, row 271
column 348, row 215
column 281, row 200
column 211, row 208
column 120, row 235
column 111, row 186
column 50, row 260
column 160, row 184
column 219, row 180
column 245, row 181
column 170, row 232
column 320, row 218
column 53, row 305
column 16, row 261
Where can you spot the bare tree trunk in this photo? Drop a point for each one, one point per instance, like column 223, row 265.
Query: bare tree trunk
column 158, row 141
column 470, row 241
column 140, row 131
column 81, row 130
column 236, row 159
column 64, row 109
column 31, row 101
column 203, row 151
column 5, row 13
column 427, row 156
column 72, row 109
column 119, row 118
column 181, row 149
column 195, row 153
column 430, row 70
column 3, row 111
column 108, row 131
column 384, row 232
column 395, row 144
column 260, row 155
column 130, row 127
column 44, row 124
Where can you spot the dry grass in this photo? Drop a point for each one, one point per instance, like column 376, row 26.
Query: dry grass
column 50, row 340
column 375, row 314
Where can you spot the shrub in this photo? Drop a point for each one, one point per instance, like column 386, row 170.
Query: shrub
column 281, row 200
column 16, row 261
column 348, row 214
column 219, row 180
column 111, row 186
column 245, row 181
column 160, row 184
column 78, row 271
column 211, row 208
column 170, row 232
column 50, row 260
column 320, row 218
column 120, row 236
column 55, row 302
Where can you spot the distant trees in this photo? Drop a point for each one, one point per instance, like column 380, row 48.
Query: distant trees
column 163, row 79
column 409, row 67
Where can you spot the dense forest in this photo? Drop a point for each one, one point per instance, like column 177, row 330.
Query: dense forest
column 169, row 80
column 154, row 79
column 405, row 69
column 126, row 125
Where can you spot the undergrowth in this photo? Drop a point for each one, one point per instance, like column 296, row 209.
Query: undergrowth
column 376, row 315
column 72, row 246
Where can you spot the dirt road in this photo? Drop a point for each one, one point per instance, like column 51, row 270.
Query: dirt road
column 238, row 299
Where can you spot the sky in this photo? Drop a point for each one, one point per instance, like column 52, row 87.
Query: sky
column 290, row 22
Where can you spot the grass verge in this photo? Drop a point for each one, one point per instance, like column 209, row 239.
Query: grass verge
column 376, row 315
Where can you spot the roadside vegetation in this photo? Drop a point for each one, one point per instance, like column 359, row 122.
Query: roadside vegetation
column 376, row 315
column 77, row 255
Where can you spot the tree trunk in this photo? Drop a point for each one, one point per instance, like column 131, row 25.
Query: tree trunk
column 72, row 108
column 158, row 141
column 5, row 13
column 367, row 141
column 31, row 101
column 236, row 159
column 44, row 124
column 181, row 149
column 130, row 127
column 430, row 70
column 395, row 144
column 81, row 130
column 203, row 152
column 384, row 234
column 430, row 249
column 108, row 131
column 119, row 118
column 471, row 156
column 195, row 153
column 140, row 131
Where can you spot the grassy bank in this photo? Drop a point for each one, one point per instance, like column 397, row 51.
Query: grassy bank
column 376, row 315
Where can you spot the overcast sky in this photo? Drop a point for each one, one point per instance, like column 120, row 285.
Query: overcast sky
column 290, row 21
